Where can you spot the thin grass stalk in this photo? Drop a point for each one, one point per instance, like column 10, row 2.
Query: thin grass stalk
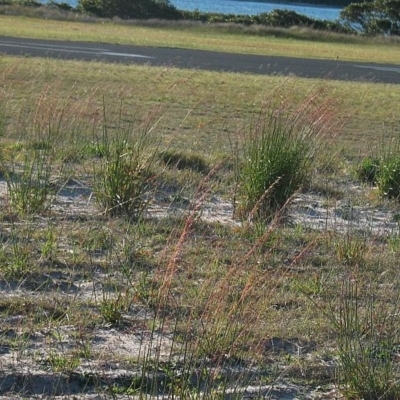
column 200, row 197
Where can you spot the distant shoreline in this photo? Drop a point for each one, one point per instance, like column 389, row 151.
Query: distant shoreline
column 287, row 2
column 295, row 3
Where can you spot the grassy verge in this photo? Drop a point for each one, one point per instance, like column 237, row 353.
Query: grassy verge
column 227, row 38
column 183, row 300
column 204, row 109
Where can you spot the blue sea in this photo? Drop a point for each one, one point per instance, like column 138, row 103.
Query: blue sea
column 256, row 7
column 249, row 7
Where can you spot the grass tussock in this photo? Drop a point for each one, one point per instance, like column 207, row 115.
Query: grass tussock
column 122, row 178
column 368, row 345
column 279, row 149
column 383, row 169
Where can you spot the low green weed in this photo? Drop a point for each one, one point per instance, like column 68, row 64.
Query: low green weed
column 49, row 246
column 394, row 243
column 113, row 305
column 63, row 362
column 111, row 310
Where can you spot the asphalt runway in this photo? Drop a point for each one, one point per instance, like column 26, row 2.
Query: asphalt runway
column 202, row 60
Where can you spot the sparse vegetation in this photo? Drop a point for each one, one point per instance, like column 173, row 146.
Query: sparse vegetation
column 351, row 249
column 149, row 287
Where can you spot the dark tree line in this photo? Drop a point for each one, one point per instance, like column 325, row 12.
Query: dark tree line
column 163, row 9
column 378, row 17
column 142, row 9
column 370, row 17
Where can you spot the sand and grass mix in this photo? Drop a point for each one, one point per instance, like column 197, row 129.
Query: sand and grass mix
column 133, row 263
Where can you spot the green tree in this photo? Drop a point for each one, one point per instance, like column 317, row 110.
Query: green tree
column 379, row 17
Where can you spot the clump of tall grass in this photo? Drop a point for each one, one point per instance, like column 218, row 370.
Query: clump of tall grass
column 122, row 177
column 29, row 179
column 368, row 337
column 29, row 162
column 389, row 176
column 278, row 151
column 368, row 169
column 351, row 249
column 217, row 318
column 40, row 133
column 383, row 170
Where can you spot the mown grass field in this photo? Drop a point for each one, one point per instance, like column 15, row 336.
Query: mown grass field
column 175, row 303
column 269, row 41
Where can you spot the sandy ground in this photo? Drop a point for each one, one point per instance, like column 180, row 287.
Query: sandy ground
column 25, row 374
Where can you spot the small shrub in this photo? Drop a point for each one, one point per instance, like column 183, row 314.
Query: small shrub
column 368, row 170
column 138, row 9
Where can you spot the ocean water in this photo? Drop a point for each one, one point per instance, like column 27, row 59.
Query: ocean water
column 254, row 7
column 248, row 7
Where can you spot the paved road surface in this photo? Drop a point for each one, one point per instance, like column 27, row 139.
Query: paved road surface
column 203, row 60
